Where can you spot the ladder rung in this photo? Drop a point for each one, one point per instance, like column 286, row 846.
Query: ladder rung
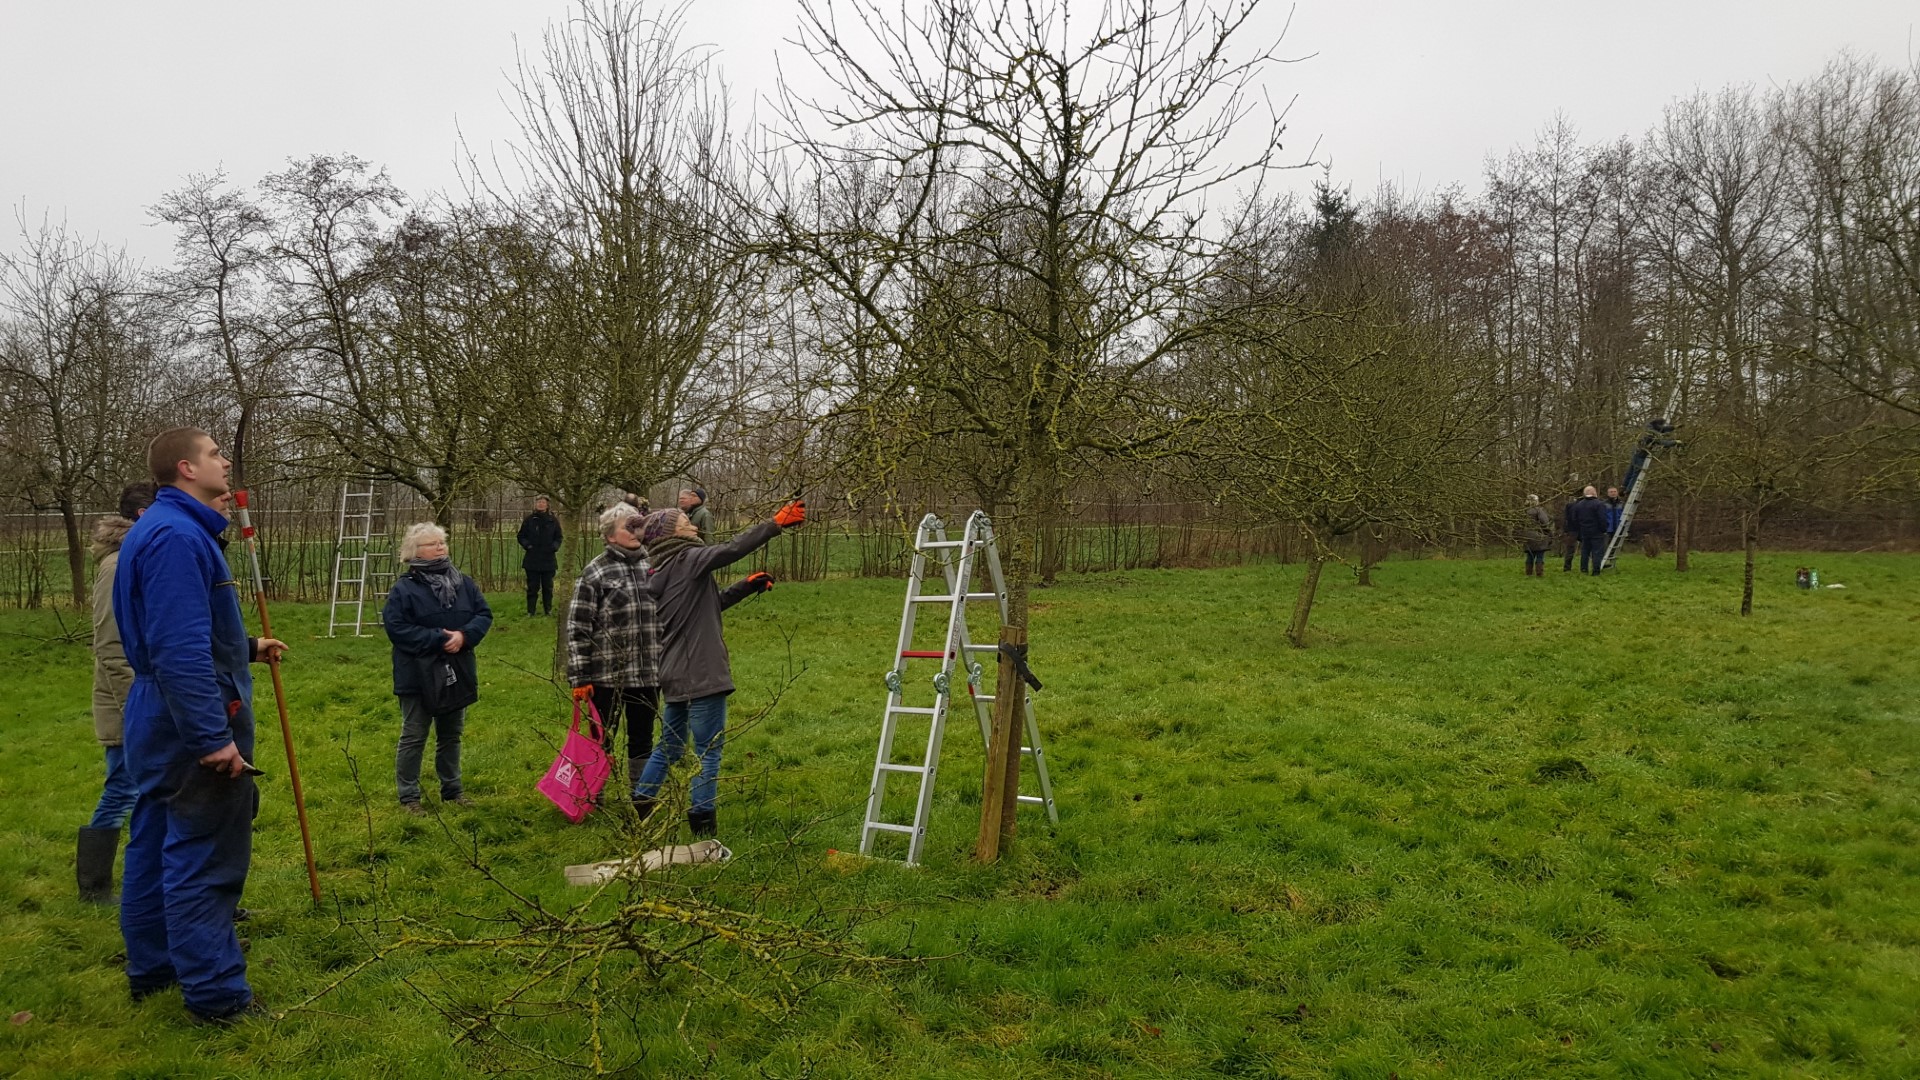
column 949, row 599
column 981, row 648
column 1033, row 800
column 942, row 544
column 983, row 697
column 924, row 654
column 914, row 709
column 887, row 827
column 891, row 767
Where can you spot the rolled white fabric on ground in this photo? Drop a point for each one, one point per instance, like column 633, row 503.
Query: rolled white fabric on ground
column 703, row 851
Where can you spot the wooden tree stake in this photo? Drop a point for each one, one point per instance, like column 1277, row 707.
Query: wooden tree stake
column 1001, row 795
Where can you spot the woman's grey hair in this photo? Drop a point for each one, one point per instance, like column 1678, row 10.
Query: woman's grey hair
column 424, row 532
column 1533, row 500
column 612, row 516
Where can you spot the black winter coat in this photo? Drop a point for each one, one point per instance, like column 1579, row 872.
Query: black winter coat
column 540, row 539
column 417, row 624
column 1589, row 517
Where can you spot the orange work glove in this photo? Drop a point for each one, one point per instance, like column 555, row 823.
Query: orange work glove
column 583, row 693
column 794, row 513
column 761, row 581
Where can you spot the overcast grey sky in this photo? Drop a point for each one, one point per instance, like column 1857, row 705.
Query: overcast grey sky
column 107, row 104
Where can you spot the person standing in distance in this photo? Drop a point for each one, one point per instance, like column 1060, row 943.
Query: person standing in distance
column 1590, row 518
column 540, row 538
column 693, row 503
column 1570, row 531
column 1535, row 537
column 188, row 737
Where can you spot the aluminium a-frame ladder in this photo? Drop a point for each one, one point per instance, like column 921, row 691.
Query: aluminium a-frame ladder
column 959, row 561
column 361, row 556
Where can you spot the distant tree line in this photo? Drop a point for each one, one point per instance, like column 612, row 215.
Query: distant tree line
column 1021, row 260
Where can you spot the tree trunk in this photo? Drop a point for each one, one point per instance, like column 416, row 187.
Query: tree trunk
column 1750, row 534
column 1019, row 530
column 1373, row 548
column 566, row 569
column 1682, row 533
column 1303, row 604
column 1049, row 550
column 76, row 554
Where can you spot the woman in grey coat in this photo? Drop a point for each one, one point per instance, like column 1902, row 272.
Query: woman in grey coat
column 1536, row 537
column 695, row 673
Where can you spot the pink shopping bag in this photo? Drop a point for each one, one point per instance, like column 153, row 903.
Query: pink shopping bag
column 577, row 775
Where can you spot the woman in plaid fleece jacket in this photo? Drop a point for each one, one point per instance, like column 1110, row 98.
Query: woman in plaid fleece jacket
column 613, row 636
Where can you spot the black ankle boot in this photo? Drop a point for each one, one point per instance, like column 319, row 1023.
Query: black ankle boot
column 704, row 823
column 644, row 805
column 93, row 864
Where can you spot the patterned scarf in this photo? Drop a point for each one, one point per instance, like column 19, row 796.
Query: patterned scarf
column 440, row 576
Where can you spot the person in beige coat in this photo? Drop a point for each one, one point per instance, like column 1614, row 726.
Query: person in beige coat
column 112, row 678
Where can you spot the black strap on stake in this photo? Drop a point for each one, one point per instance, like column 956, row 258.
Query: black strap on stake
column 1018, row 654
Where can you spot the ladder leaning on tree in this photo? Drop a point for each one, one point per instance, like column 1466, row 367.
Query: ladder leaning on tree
column 1658, row 437
column 362, row 556
column 959, row 561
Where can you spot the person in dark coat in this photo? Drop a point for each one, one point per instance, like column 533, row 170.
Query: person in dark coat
column 1615, row 504
column 693, row 503
column 1536, row 536
column 99, row 842
column 1569, row 533
column 540, row 538
column 188, row 736
column 695, row 673
column 1590, row 519
column 1658, row 436
column 613, row 637
column 432, row 610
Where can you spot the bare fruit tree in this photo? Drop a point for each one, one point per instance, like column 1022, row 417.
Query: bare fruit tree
column 626, row 147
column 1010, row 204
column 75, row 358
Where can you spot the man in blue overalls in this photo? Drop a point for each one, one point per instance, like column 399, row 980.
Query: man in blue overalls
column 189, row 736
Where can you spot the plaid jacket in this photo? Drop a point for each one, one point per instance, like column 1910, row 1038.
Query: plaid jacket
column 613, row 631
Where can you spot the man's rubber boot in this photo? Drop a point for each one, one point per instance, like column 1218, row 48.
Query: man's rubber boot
column 704, row 823
column 644, row 805
column 93, row 864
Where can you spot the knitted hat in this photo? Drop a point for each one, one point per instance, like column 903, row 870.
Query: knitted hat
column 659, row 525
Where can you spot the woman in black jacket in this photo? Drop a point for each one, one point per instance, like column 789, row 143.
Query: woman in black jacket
column 435, row 616
column 695, row 674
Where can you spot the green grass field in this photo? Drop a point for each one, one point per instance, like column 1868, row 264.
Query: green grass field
column 1488, row 826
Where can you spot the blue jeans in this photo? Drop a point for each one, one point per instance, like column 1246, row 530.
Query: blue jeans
column 415, row 721
column 707, row 717
column 118, row 795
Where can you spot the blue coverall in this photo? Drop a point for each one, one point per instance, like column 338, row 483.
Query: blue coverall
column 191, row 837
